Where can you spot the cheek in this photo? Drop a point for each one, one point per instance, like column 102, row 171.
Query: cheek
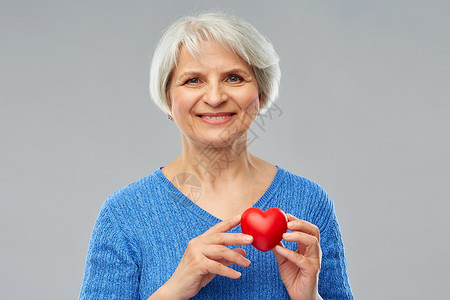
column 245, row 95
column 250, row 101
column 181, row 101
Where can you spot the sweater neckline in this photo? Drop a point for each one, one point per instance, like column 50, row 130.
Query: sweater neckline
column 179, row 198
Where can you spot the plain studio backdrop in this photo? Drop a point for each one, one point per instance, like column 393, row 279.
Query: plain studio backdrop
column 364, row 105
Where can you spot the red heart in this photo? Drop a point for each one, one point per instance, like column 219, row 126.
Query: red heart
column 267, row 227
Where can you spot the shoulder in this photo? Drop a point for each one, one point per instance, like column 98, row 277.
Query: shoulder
column 306, row 197
column 299, row 184
column 127, row 208
column 133, row 192
column 134, row 202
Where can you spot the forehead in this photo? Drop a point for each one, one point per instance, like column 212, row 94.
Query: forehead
column 209, row 54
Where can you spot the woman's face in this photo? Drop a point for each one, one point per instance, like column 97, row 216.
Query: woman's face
column 214, row 97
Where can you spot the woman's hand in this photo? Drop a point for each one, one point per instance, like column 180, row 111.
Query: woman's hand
column 299, row 270
column 205, row 257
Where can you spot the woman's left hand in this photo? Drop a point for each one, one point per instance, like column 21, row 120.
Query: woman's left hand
column 299, row 270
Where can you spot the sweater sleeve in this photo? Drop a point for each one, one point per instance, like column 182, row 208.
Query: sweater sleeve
column 111, row 271
column 333, row 277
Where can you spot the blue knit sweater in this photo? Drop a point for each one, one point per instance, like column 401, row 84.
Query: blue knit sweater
column 143, row 229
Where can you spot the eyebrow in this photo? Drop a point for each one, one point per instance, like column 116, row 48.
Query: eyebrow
column 190, row 74
column 237, row 70
column 231, row 71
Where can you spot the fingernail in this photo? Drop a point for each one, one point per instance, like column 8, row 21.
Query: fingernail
column 248, row 238
column 287, row 234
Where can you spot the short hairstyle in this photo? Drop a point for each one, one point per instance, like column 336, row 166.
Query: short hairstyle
column 233, row 33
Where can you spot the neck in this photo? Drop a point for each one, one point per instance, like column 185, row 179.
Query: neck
column 209, row 162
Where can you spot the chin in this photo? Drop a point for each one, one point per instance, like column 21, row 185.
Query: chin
column 224, row 141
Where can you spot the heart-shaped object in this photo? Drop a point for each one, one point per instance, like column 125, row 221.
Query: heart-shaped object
column 266, row 227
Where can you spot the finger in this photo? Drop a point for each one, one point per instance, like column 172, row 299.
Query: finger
column 286, row 253
column 302, row 225
column 278, row 257
column 237, row 250
column 217, row 268
column 228, row 239
column 225, row 255
column 291, row 217
column 311, row 266
column 226, row 225
column 308, row 244
column 240, row 251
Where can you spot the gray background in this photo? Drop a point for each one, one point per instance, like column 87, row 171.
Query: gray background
column 364, row 95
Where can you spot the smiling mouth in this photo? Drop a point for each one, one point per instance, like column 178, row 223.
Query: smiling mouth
column 216, row 117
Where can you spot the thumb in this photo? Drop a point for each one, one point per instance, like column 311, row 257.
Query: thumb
column 278, row 256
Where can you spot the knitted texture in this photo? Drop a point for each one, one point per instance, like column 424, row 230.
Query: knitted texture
column 143, row 230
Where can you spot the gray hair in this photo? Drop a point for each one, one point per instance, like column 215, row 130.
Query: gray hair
column 231, row 32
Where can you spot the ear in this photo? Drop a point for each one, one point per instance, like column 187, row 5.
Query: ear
column 169, row 102
column 261, row 100
column 167, row 90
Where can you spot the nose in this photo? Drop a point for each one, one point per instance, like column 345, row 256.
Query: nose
column 215, row 95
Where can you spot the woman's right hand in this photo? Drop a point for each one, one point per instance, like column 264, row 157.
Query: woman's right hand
column 205, row 257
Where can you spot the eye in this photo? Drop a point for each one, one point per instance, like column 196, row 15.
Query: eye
column 235, row 78
column 194, row 80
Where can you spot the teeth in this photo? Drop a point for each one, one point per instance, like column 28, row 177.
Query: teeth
column 215, row 118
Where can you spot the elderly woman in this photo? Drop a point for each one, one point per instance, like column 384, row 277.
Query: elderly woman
column 175, row 234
